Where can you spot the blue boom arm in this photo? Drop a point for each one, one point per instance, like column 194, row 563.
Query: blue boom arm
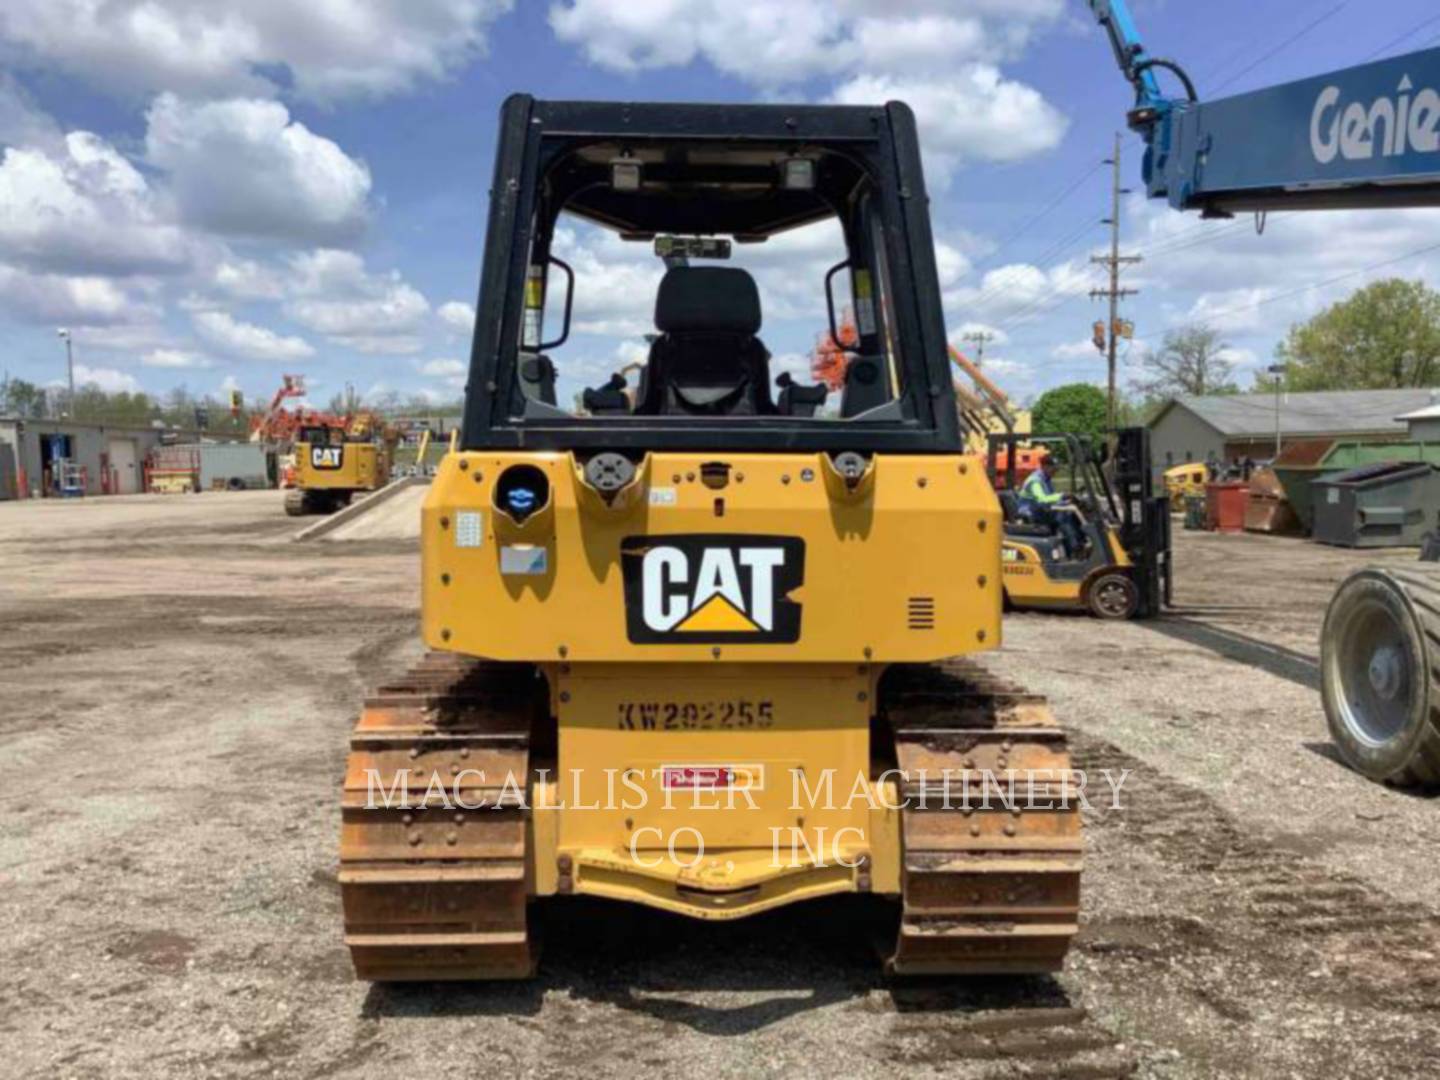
column 1368, row 136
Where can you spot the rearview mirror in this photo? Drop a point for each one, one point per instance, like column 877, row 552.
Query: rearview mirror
column 692, row 247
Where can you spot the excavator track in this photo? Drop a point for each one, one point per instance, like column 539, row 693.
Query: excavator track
column 434, row 884
column 991, row 873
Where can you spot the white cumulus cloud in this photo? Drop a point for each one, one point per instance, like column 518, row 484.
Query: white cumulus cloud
column 337, row 296
column 111, row 380
column 81, row 207
column 327, row 50
column 84, row 300
column 247, row 340
column 457, row 315
column 940, row 57
column 243, row 167
column 174, row 358
column 973, row 114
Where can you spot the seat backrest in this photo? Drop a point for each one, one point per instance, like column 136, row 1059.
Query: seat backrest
column 707, row 360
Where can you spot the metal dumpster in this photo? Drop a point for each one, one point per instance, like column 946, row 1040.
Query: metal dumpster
column 1386, row 505
column 1305, row 462
column 1267, row 510
column 1225, row 506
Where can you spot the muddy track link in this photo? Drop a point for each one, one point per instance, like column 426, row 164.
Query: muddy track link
column 986, row 890
column 430, row 890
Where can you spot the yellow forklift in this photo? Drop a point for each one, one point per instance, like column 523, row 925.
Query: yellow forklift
column 703, row 647
column 336, row 462
column 1123, row 570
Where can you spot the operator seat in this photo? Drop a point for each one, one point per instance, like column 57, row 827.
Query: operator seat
column 1015, row 524
column 707, row 360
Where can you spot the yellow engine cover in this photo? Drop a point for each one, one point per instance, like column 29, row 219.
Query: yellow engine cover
column 341, row 466
column 780, row 563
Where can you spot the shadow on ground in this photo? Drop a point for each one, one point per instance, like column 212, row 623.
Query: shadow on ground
column 722, row 978
column 1275, row 659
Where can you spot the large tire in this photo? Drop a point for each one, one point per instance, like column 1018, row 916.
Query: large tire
column 1379, row 651
column 1113, row 596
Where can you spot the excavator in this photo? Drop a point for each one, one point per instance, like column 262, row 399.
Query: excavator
column 1367, row 137
column 338, row 459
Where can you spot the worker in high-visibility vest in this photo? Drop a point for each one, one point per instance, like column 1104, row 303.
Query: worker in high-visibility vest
column 1042, row 504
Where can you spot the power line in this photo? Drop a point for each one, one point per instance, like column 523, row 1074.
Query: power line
column 1311, row 25
column 1051, row 205
column 991, row 292
column 1390, row 45
column 1307, row 288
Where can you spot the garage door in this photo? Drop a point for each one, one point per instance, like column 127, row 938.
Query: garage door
column 123, row 466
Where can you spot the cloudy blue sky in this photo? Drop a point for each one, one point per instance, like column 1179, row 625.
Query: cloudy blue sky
column 213, row 193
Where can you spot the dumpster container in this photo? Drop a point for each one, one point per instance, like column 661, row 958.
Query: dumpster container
column 1385, row 505
column 232, row 465
column 1225, row 505
column 1296, row 467
column 1267, row 510
column 1303, row 463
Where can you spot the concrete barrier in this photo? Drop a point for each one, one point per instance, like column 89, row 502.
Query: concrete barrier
column 359, row 507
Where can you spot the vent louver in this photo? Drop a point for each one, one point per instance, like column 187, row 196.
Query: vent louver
column 921, row 612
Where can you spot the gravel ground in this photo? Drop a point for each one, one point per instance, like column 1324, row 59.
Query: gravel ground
column 179, row 685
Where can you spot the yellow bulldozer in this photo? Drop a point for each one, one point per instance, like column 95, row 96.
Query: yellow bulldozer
column 335, row 462
column 697, row 645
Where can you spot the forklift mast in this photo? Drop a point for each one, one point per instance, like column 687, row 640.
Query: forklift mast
column 1144, row 518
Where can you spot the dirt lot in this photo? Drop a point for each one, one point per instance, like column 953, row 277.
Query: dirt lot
column 177, row 685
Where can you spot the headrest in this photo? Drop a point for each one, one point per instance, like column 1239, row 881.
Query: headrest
column 718, row 299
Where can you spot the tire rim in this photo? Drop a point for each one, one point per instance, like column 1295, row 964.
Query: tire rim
column 1113, row 598
column 1373, row 667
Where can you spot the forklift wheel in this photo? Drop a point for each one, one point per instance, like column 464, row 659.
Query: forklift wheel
column 1113, row 596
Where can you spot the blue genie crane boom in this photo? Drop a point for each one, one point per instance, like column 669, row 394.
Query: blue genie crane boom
column 1367, row 136
column 1364, row 137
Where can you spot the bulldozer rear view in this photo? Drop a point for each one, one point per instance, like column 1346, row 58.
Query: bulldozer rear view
column 699, row 640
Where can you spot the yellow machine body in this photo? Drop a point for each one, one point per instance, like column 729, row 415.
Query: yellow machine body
column 1182, row 481
column 629, row 809
column 1032, row 581
column 339, row 465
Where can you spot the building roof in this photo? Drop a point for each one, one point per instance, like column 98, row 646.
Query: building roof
column 1430, row 412
column 1328, row 412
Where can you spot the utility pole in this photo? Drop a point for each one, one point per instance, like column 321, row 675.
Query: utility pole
column 64, row 336
column 979, row 338
column 1114, row 261
column 1277, row 371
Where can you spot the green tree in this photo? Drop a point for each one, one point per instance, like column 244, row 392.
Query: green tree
column 1077, row 408
column 1385, row 336
column 1189, row 363
column 21, row 398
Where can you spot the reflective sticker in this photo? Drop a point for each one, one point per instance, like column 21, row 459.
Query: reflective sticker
column 469, row 529
column 535, row 288
column 531, row 335
column 1333, row 495
column 524, row 559
column 864, row 303
column 662, row 496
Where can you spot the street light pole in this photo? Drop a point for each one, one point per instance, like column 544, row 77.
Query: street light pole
column 1277, row 370
column 64, row 335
